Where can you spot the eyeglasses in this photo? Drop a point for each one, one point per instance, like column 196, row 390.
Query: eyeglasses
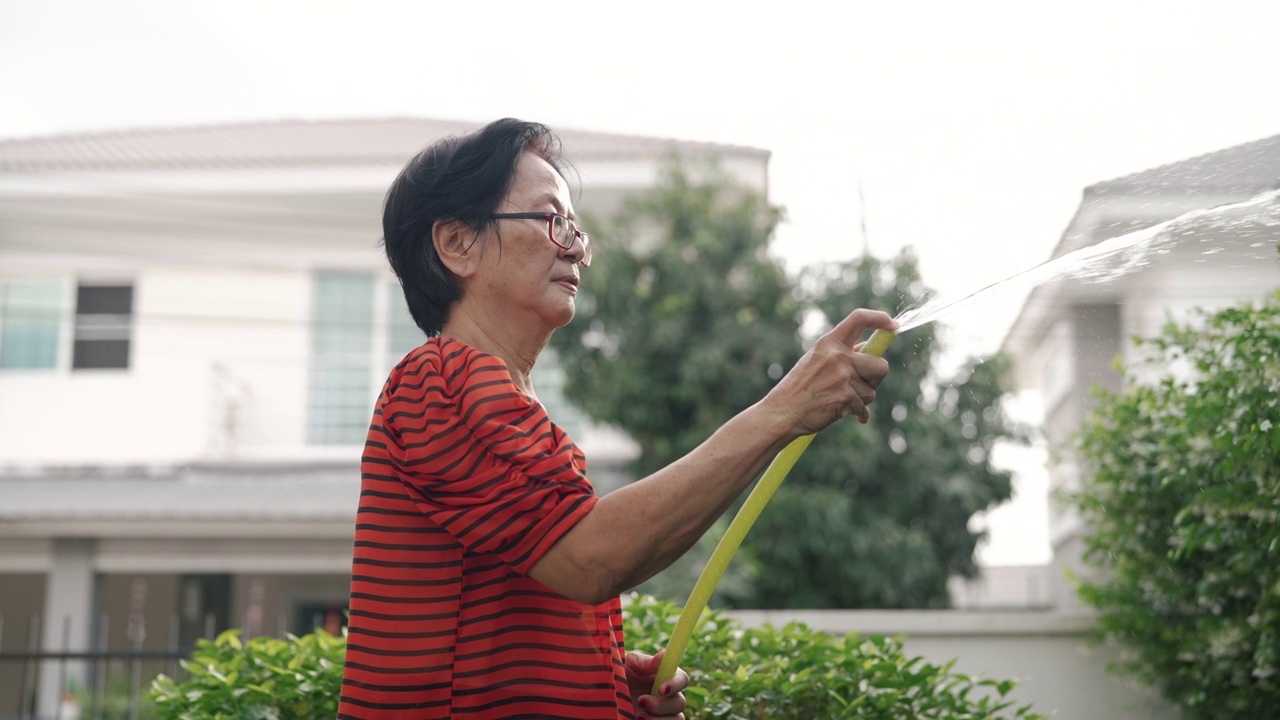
column 560, row 230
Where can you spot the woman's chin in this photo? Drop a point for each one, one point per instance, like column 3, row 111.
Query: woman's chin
column 565, row 317
column 559, row 315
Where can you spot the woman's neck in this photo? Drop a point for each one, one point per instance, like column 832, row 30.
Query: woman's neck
column 518, row 348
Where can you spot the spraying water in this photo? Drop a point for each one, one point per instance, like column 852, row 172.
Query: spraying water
column 1105, row 261
column 1121, row 255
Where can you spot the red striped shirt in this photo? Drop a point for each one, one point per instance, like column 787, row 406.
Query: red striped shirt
column 465, row 485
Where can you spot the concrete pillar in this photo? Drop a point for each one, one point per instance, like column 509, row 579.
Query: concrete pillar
column 1096, row 341
column 67, row 621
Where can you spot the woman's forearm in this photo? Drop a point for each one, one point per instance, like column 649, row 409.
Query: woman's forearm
column 637, row 530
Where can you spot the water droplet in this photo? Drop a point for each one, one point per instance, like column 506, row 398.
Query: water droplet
column 897, row 442
column 1117, row 256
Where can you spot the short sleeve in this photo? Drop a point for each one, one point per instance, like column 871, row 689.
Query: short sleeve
column 483, row 461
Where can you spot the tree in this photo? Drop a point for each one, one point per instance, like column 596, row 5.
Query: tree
column 681, row 317
column 685, row 320
column 885, row 507
column 1182, row 500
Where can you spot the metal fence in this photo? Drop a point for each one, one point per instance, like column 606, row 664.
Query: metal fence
column 116, row 679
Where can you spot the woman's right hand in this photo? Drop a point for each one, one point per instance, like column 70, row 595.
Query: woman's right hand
column 833, row 380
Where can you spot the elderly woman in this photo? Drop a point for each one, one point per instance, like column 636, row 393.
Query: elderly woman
column 486, row 573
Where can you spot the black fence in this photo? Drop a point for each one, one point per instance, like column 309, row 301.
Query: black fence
column 115, row 679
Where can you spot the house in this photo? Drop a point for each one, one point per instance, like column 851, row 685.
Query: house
column 1068, row 333
column 194, row 324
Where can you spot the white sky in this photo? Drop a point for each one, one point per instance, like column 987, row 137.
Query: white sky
column 971, row 127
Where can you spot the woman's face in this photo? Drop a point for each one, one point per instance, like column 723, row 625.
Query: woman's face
column 524, row 277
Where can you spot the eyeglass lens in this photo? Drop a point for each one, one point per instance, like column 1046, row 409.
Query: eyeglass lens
column 564, row 232
column 561, row 230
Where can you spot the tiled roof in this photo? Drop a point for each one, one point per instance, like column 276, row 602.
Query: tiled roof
column 1251, row 167
column 311, row 492
column 292, row 143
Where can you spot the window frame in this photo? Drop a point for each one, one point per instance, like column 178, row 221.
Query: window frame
column 130, row 326
column 381, row 356
column 68, row 286
column 314, row 433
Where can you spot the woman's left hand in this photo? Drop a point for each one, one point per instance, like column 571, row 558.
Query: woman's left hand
column 641, row 670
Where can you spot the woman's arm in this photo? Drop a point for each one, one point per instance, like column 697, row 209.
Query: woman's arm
column 636, row 531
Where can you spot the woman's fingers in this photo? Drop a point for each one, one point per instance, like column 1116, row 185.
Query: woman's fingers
column 834, row 380
column 663, row 706
column 848, row 330
column 670, row 702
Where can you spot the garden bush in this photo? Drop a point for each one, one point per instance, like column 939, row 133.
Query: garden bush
column 791, row 672
column 798, row 672
column 264, row 678
column 1182, row 499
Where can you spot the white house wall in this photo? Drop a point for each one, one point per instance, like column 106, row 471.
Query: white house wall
column 222, row 263
column 103, row 417
column 1176, row 290
column 275, row 556
column 201, row 339
column 246, row 337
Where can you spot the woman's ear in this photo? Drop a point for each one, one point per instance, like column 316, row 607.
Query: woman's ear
column 456, row 244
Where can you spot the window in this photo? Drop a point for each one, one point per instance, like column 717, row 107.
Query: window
column 404, row 334
column 360, row 333
column 328, row 616
column 34, row 317
column 104, row 322
column 340, row 397
column 361, row 329
column 31, row 314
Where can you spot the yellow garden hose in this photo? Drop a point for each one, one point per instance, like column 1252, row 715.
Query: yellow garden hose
column 742, row 522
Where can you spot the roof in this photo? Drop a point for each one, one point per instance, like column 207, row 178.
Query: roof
column 293, row 143
column 1240, row 171
column 1251, row 167
column 214, row 492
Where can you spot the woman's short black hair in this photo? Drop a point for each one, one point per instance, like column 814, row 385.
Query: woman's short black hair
column 460, row 178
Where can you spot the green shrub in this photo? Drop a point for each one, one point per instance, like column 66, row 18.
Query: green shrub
column 264, row 678
column 798, row 672
column 1182, row 498
column 738, row 674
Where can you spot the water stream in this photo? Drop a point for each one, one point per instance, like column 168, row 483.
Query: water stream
column 1125, row 254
